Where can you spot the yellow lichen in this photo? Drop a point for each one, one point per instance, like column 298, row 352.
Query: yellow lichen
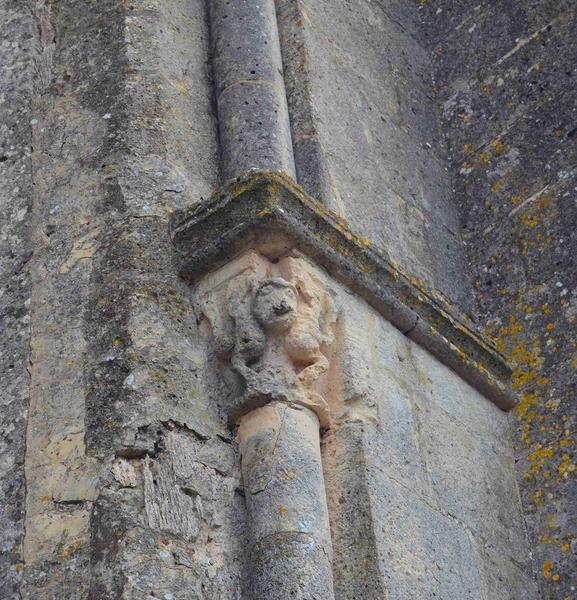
column 566, row 467
column 497, row 186
column 498, row 147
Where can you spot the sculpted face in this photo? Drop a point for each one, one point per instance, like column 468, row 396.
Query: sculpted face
column 275, row 305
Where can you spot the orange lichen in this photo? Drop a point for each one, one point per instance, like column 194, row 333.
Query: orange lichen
column 566, row 467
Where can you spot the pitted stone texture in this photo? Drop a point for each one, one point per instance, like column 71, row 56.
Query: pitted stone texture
column 176, row 528
column 68, row 134
column 250, row 94
column 18, row 53
column 269, row 213
column 412, row 446
column 123, row 135
column 252, row 120
column 270, row 324
column 505, row 80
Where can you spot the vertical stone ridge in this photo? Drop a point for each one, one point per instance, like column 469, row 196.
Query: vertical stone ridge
column 250, row 93
column 113, row 354
column 78, row 117
column 18, row 59
column 356, row 566
column 312, row 170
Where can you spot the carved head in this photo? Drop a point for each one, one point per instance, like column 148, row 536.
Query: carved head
column 274, row 305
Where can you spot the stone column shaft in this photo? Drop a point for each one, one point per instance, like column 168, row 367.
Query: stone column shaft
column 285, row 495
column 251, row 99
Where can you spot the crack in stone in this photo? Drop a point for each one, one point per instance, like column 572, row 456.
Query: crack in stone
column 273, row 452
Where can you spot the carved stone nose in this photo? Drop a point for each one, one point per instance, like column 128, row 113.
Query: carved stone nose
column 281, row 309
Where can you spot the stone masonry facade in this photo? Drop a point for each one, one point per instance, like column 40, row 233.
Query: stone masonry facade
column 288, row 303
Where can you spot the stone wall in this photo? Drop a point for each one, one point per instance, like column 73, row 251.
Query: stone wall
column 123, row 135
column 364, row 128
column 420, row 477
column 505, row 82
column 418, row 466
column 114, row 127
column 18, row 53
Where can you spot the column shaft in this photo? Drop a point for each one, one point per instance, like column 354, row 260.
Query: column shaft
column 251, row 99
column 285, row 495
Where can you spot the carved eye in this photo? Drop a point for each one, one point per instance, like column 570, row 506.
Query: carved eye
column 265, row 290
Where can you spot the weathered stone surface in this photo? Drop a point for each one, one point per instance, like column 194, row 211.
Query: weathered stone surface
column 431, row 555
column 250, row 94
column 179, row 537
column 271, row 327
column 505, row 79
column 408, row 549
column 444, row 465
column 271, row 324
column 375, row 150
column 113, row 363
column 356, row 568
column 455, row 440
column 133, row 476
column 18, row 55
column 268, row 213
column 410, row 440
column 291, row 550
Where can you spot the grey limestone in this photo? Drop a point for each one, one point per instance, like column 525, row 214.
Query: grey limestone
column 272, row 390
column 112, row 159
column 372, row 156
column 357, row 572
column 250, row 95
column 505, row 84
column 18, row 55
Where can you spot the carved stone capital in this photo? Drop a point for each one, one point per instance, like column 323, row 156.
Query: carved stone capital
column 272, row 325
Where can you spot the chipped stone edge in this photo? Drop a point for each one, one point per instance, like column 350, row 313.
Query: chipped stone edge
column 271, row 213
